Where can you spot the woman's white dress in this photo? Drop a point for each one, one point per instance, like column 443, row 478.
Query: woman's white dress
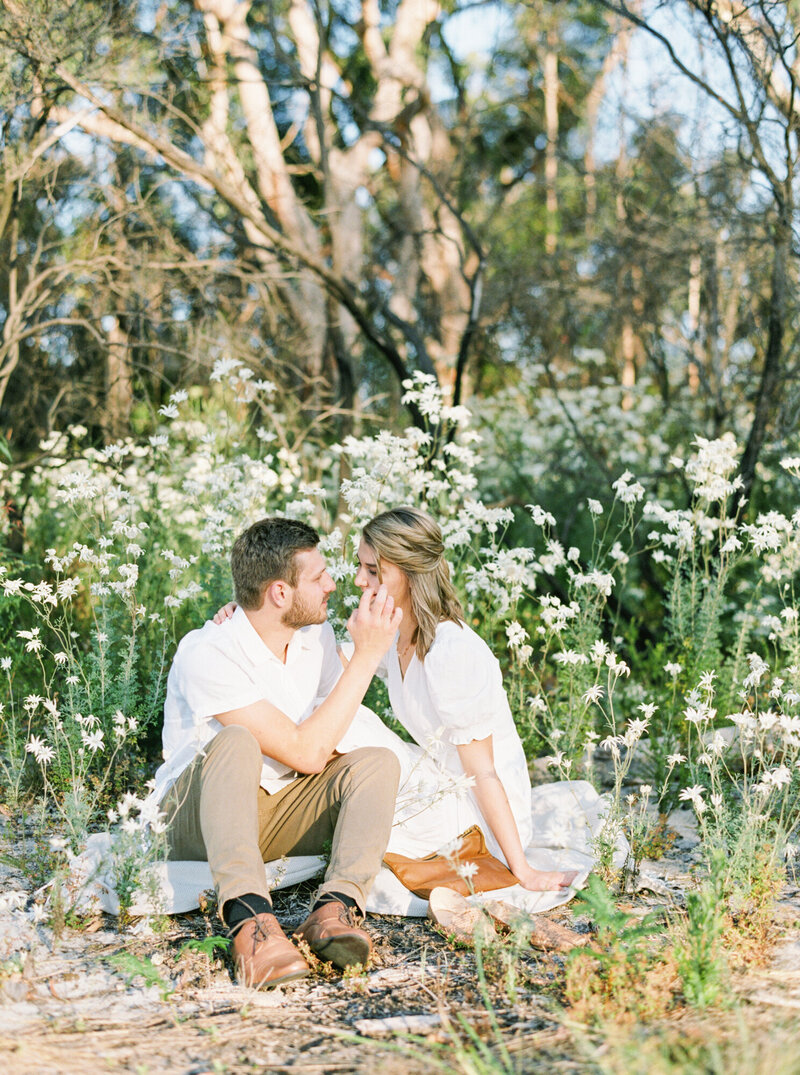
column 456, row 695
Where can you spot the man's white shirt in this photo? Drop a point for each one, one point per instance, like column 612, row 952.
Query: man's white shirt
column 222, row 667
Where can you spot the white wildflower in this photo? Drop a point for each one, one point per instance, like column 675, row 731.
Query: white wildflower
column 617, row 666
column 516, row 634
column 40, row 750
column 540, row 516
column 758, row 668
column 612, row 744
column 93, row 740
column 599, row 651
column 695, row 796
column 627, row 493
column 709, row 468
column 569, row 656
column 634, row 731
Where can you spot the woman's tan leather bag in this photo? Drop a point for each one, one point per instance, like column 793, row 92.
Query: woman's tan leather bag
column 422, row 875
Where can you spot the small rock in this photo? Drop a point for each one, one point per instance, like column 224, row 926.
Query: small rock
column 684, row 823
column 15, row 988
column 648, row 882
column 389, row 976
column 398, row 1024
column 787, row 956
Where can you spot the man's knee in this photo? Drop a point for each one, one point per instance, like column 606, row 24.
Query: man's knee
column 375, row 763
column 234, row 742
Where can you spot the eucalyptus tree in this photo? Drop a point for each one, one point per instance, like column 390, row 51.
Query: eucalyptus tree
column 73, row 226
column 743, row 57
column 310, row 135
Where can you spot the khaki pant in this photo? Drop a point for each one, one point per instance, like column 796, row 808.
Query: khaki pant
column 217, row 811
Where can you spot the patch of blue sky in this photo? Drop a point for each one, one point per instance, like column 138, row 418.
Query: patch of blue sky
column 478, row 28
column 472, row 35
column 648, row 87
column 181, row 309
column 651, row 87
column 184, row 207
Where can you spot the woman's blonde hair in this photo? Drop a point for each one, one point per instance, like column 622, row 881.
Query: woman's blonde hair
column 412, row 540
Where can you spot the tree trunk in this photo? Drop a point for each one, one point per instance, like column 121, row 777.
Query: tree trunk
column 695, row 265
column 119, row 385
column 593, row 101
column 551, row 148
column 10, row 352
column 772, row 371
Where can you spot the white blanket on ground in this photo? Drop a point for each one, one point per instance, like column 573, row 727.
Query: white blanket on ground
column 567, row 817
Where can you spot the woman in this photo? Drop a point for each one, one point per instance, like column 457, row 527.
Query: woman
column 445, row 687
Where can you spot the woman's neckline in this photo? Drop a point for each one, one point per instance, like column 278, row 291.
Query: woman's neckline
column 413, row 652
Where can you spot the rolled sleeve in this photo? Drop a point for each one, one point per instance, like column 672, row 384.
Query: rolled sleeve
column 212, row 683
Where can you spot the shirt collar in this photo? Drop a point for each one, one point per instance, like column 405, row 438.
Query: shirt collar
column 257, row 650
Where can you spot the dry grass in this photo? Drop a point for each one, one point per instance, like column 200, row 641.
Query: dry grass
column 596, row 1012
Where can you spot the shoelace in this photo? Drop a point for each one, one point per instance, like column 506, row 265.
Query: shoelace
column 348, row 916
column 264, row 929
column 354, row 917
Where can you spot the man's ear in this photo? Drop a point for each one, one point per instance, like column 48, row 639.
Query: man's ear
column 278, row 594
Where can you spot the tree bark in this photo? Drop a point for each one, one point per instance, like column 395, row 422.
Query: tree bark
column 119, row 384
column 772, row 370
column 551, row 146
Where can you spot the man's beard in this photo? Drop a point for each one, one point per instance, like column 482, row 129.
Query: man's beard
column 299, row 614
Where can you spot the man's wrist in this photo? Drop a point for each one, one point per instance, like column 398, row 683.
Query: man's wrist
column 366, row 658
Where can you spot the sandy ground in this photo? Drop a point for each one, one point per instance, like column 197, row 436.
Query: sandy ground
column 97, row 1000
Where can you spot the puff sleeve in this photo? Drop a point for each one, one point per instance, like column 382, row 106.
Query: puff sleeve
column 465, row 684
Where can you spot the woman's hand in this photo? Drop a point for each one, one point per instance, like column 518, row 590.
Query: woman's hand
column 477, row 757
column 225, row 612
column 374, row 623
column 544, row 880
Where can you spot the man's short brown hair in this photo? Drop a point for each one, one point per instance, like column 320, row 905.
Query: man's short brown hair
column 266, row 552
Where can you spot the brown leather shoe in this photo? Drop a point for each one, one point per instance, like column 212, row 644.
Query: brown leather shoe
column 331, row 933
column 263, row 954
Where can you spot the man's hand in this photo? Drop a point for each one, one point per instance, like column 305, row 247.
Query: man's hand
column 308, row 746
column 374, row 623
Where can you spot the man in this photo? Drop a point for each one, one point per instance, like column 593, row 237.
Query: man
column 254, row 711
